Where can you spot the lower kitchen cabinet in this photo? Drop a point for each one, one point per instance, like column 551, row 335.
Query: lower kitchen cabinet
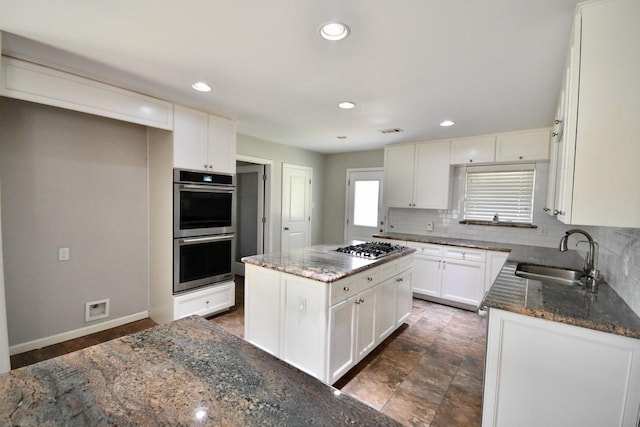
column 462, row 281
column 544, row 373
column 322, row 328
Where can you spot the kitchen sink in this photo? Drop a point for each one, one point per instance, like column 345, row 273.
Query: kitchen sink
column 563, row 276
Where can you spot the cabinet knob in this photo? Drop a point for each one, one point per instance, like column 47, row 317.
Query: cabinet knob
column 346, row 289
column 554, row 134
column 557, row 121
column 286, row 228
column 546, row 209
column 207, row 302
column 520, row 157
column 206, row 166
column 557, row 212
column 357, row 301
column 399, row 279
column 369, row 279
column 470, row 160
column 361, row 300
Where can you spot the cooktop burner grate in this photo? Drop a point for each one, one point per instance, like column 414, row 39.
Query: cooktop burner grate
column 371, row 250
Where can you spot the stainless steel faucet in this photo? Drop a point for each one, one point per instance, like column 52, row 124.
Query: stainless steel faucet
column 589, row 263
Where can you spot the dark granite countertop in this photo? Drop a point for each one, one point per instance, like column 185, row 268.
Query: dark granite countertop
column 188, row 372
column 605, row 311
column 320, row 262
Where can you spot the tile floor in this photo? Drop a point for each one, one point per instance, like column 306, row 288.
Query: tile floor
column 428, row 373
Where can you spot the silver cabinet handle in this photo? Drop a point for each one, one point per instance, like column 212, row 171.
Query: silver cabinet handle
column 346, row 289
column 557, row 212
column 357, row 301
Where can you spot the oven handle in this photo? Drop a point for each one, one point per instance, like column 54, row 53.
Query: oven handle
column 207, row 239
column 206, row 188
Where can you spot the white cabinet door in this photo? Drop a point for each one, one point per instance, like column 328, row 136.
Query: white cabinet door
column 404, row 297
column 432, row 176
column 190, row 130
column 523, row 146
column 427, row 275
column 342, row 337
column 398, row 176
column 544, row 373
column 366, row 334
column 473, row 150
column 462, row 281
column 222, row 145
column 385, row 309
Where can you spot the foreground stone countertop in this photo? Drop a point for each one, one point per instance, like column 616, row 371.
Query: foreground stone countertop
column 188, row 372
column 320, row 262
column 605, row 311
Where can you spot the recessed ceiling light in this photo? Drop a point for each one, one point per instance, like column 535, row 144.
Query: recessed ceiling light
column 447, row 123
column 201, row 87
column 334, row 31
column 346, row 105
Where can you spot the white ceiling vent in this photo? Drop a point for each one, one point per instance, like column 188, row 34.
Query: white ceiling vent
column 391, row 130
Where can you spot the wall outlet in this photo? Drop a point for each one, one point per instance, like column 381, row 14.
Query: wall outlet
column 430, row 226
column 63, row 254
column 543, row 230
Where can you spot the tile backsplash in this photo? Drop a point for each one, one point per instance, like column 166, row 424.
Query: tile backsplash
column 619, row 248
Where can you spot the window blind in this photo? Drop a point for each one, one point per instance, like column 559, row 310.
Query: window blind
column 503, row 190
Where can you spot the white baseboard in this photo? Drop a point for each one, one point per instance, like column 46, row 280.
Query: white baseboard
column 76, row 333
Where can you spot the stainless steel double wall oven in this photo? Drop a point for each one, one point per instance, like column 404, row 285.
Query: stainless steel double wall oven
column 204, row 214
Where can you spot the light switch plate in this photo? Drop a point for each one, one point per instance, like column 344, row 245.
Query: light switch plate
column 63, row 254
column 430, row 226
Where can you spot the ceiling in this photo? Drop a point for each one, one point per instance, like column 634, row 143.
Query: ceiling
column 489, row 65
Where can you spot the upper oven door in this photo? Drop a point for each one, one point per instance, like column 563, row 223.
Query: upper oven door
column 200, row 210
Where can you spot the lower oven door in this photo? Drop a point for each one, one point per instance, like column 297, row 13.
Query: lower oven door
column 201, row 261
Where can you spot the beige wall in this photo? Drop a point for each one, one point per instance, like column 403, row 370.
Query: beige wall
column 335, row 188
column 70, row 180
column 279, row 154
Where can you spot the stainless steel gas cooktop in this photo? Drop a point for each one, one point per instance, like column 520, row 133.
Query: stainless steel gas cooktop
column 370, row 250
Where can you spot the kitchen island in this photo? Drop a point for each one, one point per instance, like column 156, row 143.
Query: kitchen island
column 324, row 311
column 188, row 372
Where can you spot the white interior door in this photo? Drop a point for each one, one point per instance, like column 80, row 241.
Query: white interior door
column 296, row 206
column 365, row 214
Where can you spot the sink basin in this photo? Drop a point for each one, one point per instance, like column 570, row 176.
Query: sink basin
column 563, row 276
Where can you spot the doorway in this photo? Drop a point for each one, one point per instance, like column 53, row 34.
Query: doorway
column 364, row 208
column 252, row 176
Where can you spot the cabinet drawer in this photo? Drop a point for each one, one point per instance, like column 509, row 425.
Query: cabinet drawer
column 388, row 270
column 342, row 289
column 404, row 263
column 429, row 249
column 204, row 302
column 368, row 279
column 465, row 254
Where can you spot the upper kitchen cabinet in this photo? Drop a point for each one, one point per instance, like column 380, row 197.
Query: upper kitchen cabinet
column 473, row 150
column 203, row 142
column 598, row 176
column 523, row 146
column 36, row 83
column 418, row 175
